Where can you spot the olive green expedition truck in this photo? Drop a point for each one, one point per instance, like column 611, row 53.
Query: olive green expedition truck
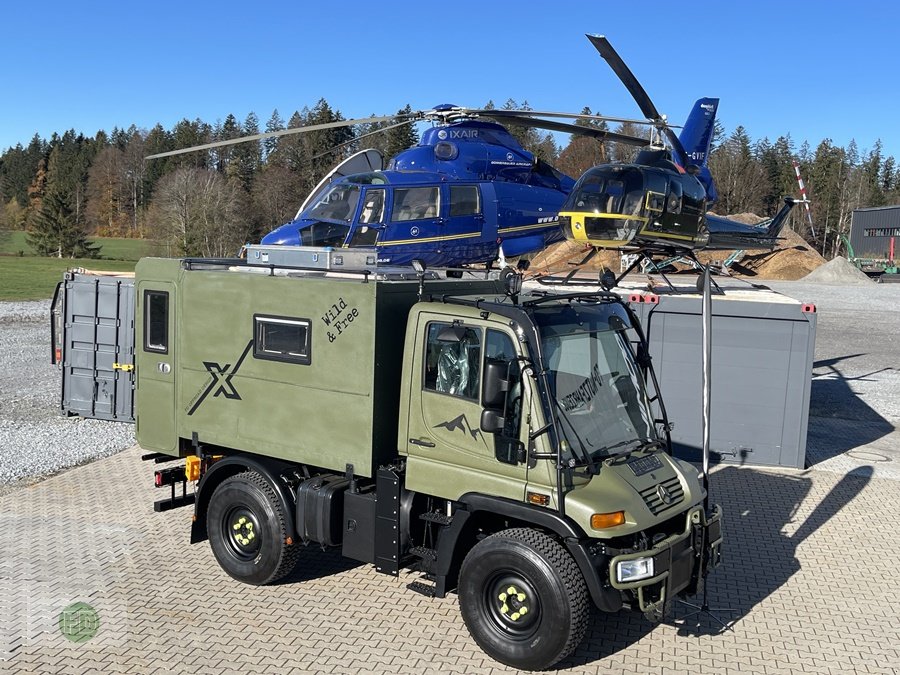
column 502, row 444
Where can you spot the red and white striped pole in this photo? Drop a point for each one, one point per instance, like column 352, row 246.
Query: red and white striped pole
column 803, row 197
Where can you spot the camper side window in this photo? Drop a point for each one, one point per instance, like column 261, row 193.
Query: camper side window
column 279, row 338
column 156, row 322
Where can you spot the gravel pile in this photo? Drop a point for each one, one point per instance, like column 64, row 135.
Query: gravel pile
column 35, row 439
column 838, row 270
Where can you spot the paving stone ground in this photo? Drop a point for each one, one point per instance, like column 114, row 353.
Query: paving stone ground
column 809, row 584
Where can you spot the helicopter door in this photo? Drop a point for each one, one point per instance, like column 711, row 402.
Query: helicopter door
column 465, row 218
column 371, row 218
column 415, row 219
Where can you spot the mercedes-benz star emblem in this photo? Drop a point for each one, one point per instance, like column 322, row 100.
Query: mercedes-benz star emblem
column 663, row 494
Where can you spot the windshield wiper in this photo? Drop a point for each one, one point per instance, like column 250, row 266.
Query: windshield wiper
column 635, row 443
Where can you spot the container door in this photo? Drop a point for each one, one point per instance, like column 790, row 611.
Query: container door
column 155, row 346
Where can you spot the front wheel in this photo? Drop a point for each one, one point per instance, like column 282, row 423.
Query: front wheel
column 523, row 598
column 247, row 530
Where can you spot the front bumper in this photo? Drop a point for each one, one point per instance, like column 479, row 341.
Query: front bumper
column 679, row 562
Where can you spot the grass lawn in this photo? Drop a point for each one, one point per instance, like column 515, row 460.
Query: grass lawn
column 36, row 278
column 27, row 277
column 12, row 242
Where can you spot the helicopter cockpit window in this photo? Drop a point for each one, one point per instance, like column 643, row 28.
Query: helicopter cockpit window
column 600, row 195
column 338, row 202
column 373, row 207
column 464, row 200
column 416, row 203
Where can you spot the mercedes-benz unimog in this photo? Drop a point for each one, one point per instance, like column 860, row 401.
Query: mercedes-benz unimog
column 503, row 444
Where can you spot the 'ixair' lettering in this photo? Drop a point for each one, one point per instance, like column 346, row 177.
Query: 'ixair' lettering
column 338, row 318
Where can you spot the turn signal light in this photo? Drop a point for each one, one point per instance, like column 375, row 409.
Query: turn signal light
column 601, row 521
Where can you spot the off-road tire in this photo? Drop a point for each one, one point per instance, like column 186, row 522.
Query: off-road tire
column 537, row 567
column 263, row 557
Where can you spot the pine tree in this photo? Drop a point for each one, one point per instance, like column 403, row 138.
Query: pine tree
column 403, row 137
column 55, row 233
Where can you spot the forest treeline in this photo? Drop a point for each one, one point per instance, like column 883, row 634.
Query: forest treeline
column 67, row 189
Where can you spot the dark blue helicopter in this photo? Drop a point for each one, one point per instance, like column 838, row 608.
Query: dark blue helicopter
column 467, row 188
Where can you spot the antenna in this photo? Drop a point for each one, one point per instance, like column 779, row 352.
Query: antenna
column 706, row 341
column 805, row 200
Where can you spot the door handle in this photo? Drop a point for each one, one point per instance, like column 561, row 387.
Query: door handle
column 419, row 441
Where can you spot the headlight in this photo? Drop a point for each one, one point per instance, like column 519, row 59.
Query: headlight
column 634, row 570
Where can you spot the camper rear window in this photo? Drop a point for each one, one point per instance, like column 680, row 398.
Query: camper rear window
column 280, row 338
column 156, row 322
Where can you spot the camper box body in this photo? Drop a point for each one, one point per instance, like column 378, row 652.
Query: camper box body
column 299, row 366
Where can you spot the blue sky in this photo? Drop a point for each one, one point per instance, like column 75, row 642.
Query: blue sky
column 810, row 69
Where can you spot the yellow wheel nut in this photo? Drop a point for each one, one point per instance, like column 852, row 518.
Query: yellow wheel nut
column 242, row 520
column 502, row 597
column 504, row 609
column 250, row 526
column 511, row 590
column 236, row 526
column 523, row 611
column 521, row 597
column 250, row 536
column 515, row 616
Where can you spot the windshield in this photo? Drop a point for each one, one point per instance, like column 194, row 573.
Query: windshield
column 595, row 384
column 337, row 202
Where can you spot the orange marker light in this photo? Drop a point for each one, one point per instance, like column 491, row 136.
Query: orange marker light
column 601, row 521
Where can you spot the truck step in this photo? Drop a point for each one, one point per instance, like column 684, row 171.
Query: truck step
column 421, row 587
column 436, row 517
column 426, row 554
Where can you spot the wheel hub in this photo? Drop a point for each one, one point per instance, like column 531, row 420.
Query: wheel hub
column 513, row 604
column 242, row 535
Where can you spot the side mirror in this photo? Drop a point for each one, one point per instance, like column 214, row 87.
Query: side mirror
column 492, row 421
column 495, row 385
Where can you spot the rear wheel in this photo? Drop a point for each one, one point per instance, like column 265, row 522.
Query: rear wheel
column 523, row 599
column 247, row 530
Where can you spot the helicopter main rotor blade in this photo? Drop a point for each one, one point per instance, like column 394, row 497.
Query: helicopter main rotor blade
column 573, row 116
column 602, row 45
column 359, row 138
column 573, row 129
column 273, row 134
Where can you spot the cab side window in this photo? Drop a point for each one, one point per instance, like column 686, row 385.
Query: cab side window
column 453, row 360
column 500, row 348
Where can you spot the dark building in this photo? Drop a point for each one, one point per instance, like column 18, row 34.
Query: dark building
column 871, row 232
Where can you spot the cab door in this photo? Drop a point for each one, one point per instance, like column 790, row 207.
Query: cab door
column 448, row 453
column 155, row 369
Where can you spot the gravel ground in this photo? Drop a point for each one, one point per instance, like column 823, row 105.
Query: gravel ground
column 35, row 439
column 857, row 364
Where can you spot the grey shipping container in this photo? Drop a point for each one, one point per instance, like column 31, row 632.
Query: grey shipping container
column 93, row 342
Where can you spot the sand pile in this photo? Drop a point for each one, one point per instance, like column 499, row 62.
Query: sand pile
column 563, row 256
column 838, row 271
column 792, row 260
